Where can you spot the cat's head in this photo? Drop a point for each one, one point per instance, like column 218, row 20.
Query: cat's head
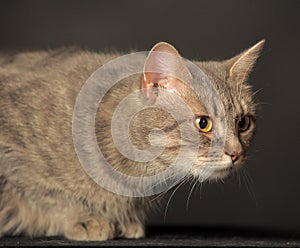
column 229, row 79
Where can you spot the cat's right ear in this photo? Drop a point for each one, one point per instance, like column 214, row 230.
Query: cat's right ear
column 164, row 68
column 241, row 66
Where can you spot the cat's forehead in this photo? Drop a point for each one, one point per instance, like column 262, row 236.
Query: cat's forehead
column 236, row 97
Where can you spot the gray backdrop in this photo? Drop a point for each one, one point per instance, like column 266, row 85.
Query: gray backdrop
column 200, row 30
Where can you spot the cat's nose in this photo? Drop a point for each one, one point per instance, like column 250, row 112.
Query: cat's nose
column 234, row 155
column 233, row 149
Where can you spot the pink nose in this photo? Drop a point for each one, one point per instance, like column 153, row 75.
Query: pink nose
column 234, row 156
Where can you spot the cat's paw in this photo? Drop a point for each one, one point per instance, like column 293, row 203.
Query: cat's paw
column 132, row 231
column 91, row 229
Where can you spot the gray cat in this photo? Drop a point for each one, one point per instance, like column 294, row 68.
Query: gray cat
column 44, row 189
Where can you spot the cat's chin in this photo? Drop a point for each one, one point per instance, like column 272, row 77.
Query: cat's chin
column 210, row 173
column 225, row 171
column 219, row 174
column 212, row 170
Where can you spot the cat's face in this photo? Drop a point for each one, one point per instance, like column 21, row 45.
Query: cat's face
column 229, row 79
column 239, row 110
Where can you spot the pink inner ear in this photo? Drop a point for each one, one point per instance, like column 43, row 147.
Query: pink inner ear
column 153, row 81
column 165, row 69
column 150, row 84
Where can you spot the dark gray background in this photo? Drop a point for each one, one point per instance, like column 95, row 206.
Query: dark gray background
column 201, row 30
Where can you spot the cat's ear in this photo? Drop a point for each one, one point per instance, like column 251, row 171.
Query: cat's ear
column 164, row 68
column 241, row 66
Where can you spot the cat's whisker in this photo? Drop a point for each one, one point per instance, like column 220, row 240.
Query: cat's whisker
column 263, row 103
column 200, row 187
column 158, row 196
column 258, row 150
column 237, row 175
column 251, row 158
column 245, row 181
column 165, row 179
column 169, row 200
column 164, row 192
column 190, row 193
column 249, row 175
column 257, row 91
column 248, row 183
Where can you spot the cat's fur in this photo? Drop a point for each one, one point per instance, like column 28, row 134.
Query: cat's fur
column 44, row 189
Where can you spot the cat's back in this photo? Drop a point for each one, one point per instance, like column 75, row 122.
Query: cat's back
column 42, row 77
column 52, row 67
column 38, row 90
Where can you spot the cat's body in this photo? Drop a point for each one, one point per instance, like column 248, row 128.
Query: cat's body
column 44, row 190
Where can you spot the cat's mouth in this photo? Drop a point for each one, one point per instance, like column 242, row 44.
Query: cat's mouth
column 223, row 171
column 216, row 168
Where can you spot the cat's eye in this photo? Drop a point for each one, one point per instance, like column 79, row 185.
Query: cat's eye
column 244, row 123
column 204, row 124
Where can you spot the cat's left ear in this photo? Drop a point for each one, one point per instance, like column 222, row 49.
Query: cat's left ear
column 164, row 69
column 241, row 66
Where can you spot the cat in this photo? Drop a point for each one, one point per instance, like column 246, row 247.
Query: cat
column 45, row 190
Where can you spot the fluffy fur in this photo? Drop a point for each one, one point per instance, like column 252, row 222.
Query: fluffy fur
column 44, row 190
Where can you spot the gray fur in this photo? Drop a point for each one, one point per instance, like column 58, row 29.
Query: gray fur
column 43, row 188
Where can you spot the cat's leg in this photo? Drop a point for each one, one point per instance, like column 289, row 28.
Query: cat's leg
column 134, row 230
column 20, row 214
column 48, row 214
column 90, row 228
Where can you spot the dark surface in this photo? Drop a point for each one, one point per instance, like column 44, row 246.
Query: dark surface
column 200, row 30
column 179, row 236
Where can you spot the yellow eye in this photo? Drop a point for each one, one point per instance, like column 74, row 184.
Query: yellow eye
column 204, row 124
column 244, row 124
